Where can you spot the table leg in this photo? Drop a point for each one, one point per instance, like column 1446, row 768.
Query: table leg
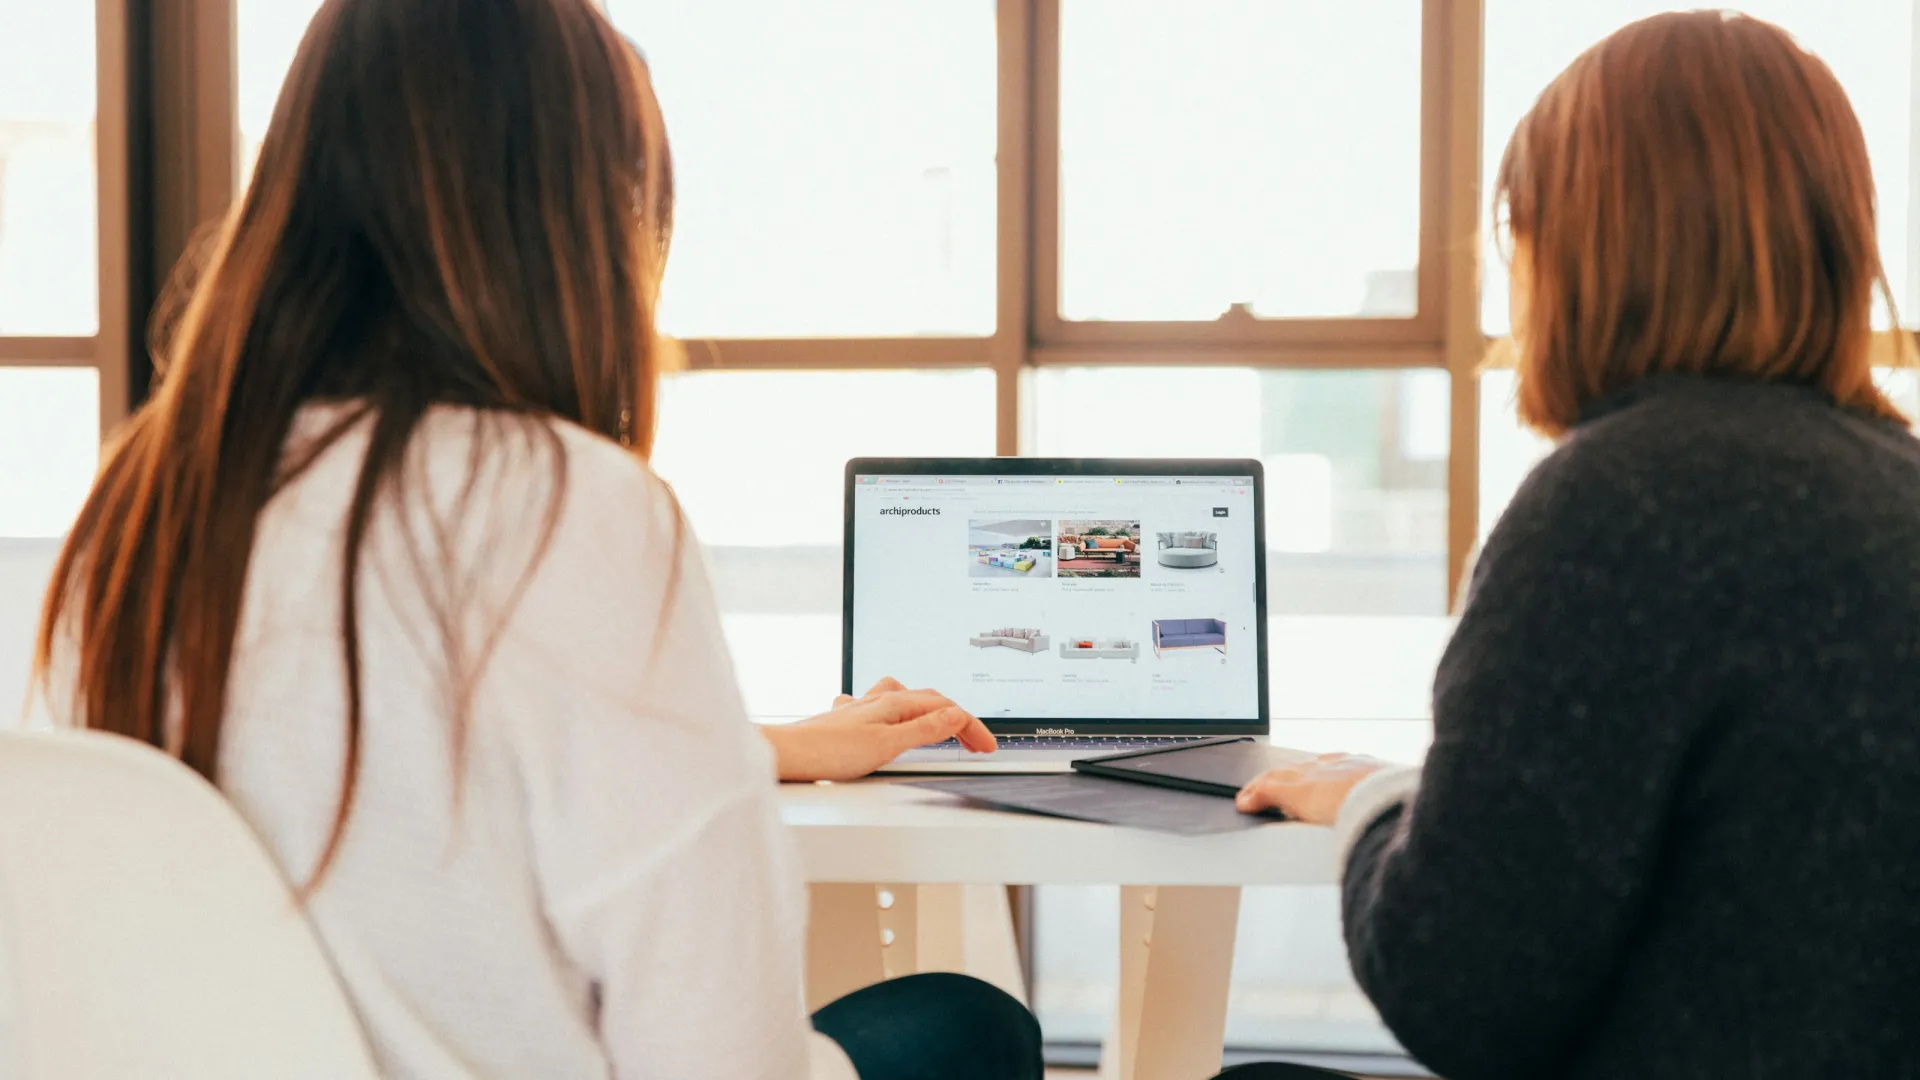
column 843, row 942
column 960, row 928
column 939, row 931
column 1176, row 964
column 861, row 934
column 988, row 948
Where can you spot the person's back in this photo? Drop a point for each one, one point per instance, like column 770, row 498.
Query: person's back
column 544, row 898
column 382, row 559
column 1686, row 681
column 1669, row 824
column 1778, row 931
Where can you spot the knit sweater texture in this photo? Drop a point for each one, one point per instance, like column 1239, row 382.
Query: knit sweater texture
column 1670, row 822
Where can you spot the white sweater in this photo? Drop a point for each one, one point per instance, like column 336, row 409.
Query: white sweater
column 608, row 891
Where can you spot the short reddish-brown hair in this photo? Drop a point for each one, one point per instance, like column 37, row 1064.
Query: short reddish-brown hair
column 1692, row 195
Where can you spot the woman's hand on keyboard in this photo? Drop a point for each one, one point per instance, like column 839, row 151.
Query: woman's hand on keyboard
column 858, row 735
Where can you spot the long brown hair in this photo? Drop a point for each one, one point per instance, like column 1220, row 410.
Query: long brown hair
column 457, row 203
column 1692, row 194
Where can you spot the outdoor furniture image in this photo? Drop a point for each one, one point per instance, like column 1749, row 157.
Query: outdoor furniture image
column 1099, row 649
column 1118, row 548
column 1010, row 559
column 1010, row 549
column 1011, row 637
column 1189, row 634
column 1189, row 550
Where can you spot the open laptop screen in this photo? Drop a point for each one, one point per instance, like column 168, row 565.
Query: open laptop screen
column 1123, row 602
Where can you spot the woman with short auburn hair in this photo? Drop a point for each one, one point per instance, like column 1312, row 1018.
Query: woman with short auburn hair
column 1669, row 824
column 1692, row 196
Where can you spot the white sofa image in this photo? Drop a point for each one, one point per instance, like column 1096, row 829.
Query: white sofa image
column 1099, row 649
column 1011, row 637
column 1188, row 550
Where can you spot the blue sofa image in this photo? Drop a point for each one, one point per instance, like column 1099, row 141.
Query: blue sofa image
column 1189, row 634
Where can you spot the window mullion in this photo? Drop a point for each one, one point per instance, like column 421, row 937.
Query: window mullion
column 1015, row 255
column 1461, row 22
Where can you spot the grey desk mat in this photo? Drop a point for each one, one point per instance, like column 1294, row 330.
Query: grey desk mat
column 1110, row 802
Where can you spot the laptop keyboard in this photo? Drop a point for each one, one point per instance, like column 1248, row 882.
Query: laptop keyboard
column 1114, row 743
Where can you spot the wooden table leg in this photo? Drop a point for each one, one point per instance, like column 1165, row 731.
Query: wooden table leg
column 843, row 942
column 859, row 935
column 1176, row 964
column 964, row 929
column 969, row 929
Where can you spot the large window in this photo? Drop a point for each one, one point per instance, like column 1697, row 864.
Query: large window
column 50, row 265
column 267, row 33
column 1356, row 466
column 49, row 447
column 49, row 252
column 834, row 164
column 757, row 459
column 1213, row 155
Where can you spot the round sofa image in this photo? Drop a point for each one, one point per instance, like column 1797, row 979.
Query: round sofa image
column 1099, row 649
column 1017, row 638
column 1188, row 550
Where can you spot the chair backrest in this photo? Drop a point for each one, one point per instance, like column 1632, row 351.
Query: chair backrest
column 145, row 933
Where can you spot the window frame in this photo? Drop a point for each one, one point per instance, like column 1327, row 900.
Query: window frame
column 165, row 131
column 1443, row 334
column 194, row 111
column 1410, row 336
column 167, row 95
column 102, row 350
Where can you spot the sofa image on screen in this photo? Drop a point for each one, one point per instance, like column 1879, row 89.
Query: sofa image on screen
column 1099, row 649
column 1010, row 559
column 1187, row 550
column 1009, row 549
column 1118, row 548
column 1011, row 637
column 1189, row 634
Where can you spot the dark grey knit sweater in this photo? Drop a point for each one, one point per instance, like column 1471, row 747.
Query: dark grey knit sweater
column 1670, row 822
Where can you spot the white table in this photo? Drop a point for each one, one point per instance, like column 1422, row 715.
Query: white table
column 908, row 880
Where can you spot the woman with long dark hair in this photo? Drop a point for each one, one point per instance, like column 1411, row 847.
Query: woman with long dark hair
column 383, row 560
column 1670, row 822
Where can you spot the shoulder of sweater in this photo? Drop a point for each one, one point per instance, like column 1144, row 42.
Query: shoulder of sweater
column 1700, row 441
column 1688, row 475
column 1690, row 424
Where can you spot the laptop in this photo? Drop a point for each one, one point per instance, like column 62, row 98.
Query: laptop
column 1078, row 606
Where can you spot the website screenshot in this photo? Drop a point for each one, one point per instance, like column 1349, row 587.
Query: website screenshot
column 1071, row 598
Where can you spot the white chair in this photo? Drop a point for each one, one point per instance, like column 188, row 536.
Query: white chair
column 144, row 932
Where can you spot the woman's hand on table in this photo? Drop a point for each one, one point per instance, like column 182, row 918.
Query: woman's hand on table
column 858, row 735
column 1309, row 791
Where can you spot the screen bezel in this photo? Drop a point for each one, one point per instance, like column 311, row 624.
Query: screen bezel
column 1042, row 466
